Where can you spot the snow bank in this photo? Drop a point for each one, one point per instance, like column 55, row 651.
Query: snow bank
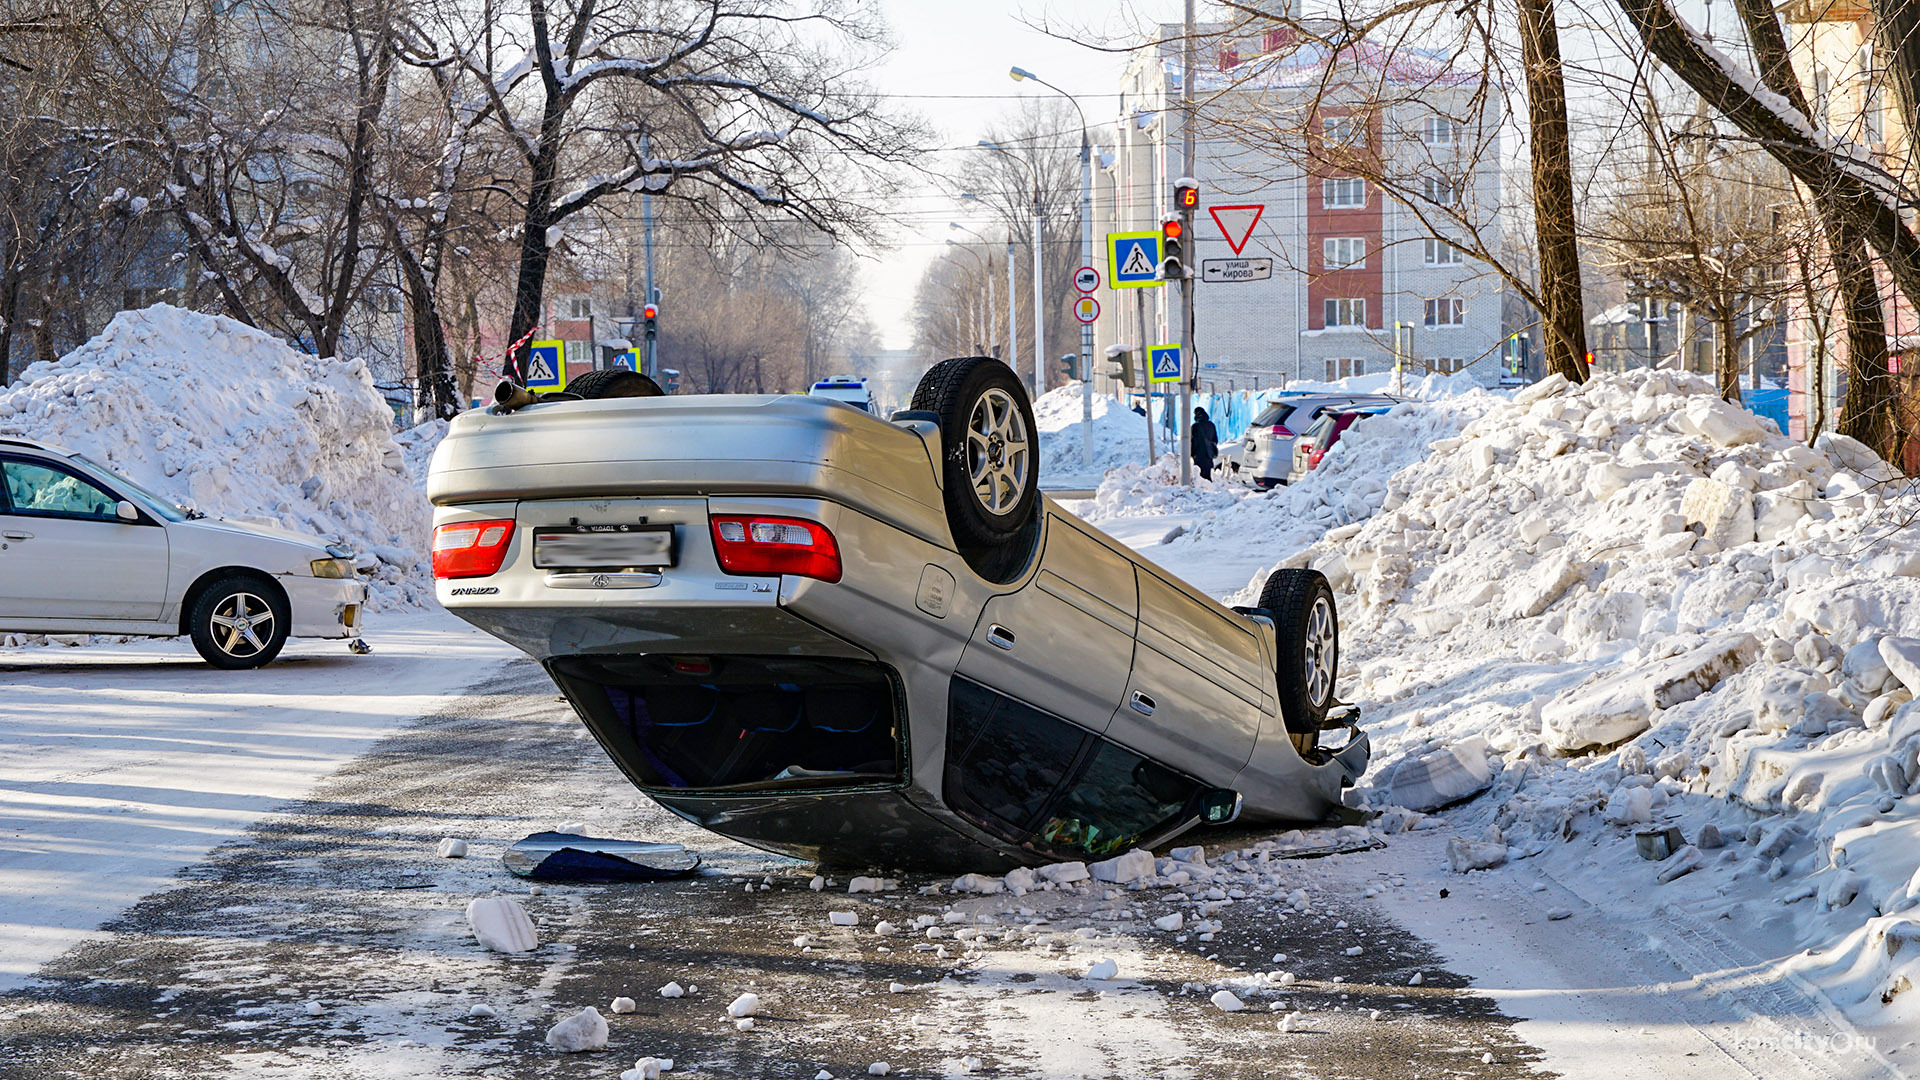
column 1119, row 434
column 231, row 421
column 1657, row 611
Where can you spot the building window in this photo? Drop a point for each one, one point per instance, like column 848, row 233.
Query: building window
column 1439, row 190
column 1440, row 131
column 1446, row 311
column 1343, row 192
column 1343, row 367
column 1275, row 40
column 580, row 307
column 1441, row 253
column 1229, row 58
column 1346, row 312
column 1344, row 131
column 1447, row 365
column 1343, row 252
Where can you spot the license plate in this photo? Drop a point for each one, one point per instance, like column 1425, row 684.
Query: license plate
column 603, row 547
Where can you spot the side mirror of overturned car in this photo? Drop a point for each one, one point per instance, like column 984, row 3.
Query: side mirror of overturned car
column 1219, row 806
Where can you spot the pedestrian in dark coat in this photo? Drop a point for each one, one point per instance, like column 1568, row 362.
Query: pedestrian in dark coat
column 1206, row 443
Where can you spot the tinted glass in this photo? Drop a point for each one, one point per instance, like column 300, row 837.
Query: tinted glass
column 1118, row 799
column 1270, row 415
column 1005, row 759
column 34, row 488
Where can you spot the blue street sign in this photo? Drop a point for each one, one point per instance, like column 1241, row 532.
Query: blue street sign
column 1166, row 363
column 1133, row 260
column 546, row 366
column 628, row 360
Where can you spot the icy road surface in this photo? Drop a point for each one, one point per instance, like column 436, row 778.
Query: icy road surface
column 122, row 764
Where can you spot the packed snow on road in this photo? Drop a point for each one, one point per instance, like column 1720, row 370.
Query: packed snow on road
column 1639, row 674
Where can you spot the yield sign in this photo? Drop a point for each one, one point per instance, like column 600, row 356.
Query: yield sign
column 1236, row 223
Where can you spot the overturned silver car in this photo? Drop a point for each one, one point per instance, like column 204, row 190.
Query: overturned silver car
column 875, row 642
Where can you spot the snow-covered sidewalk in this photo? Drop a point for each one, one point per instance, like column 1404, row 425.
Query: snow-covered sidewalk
column 121, row 764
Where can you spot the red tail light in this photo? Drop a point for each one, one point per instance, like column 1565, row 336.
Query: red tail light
column 772, row 545
column 1281, row 431
column 471, row 548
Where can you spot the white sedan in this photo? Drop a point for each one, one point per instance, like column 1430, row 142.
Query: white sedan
column 86, row 551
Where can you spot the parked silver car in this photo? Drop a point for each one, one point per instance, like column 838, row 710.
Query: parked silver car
column 871, row 642
column 1265, row 456
column 84, row 550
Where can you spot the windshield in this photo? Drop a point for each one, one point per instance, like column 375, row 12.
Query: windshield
column 154, row 504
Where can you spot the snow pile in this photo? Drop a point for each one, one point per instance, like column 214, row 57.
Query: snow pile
column 1119, row 434
column 1657, row 612
column 231, row 421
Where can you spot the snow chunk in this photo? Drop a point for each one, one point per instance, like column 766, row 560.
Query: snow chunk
column 673, row 990
column 1103, row 970
column 843, row 918
column 584, row 1030
column 647, row 1068
column 501, row 924
column 1721, row 514
column 1902, row 657
column 1121, row 869
column 744, row 1005
column 1465, row 855
column 1225, row 1001
column 977, row 883
column 1065, row 873
column 623, row 1005
column 1621, row 705
column 1441, row 777
column 879, row 1068
column 451, row 848
column 1169, row 923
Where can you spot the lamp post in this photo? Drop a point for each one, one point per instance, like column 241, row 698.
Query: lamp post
column 1086, row 259
column 986, row 287
column 1013, row 339
column 1039, row 315
column 985, row 276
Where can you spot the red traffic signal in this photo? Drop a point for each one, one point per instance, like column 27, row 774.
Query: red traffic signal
column 1171, row 229
column 651, row 311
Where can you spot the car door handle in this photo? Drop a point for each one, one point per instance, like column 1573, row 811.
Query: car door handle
column 1000, row 637
column 1141, row 703
column 15, row 534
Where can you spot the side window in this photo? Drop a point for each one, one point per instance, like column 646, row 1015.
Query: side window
column 1005, row 759
column 1118, row 799
column 43, row 490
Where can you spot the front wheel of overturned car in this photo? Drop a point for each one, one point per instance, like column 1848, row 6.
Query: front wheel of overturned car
column 991, row 447
column 1307, row 629
column 239, row 621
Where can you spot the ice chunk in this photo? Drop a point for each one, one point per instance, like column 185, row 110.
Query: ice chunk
column 1439, row 778
column 1620, row 706
column 1465, row 855
column 744, row 1005
column 879, row 1068
column 479, row 1008
column 1902, row 656
column 844, row 918
column 623, row 1005
column 673, row 990
column 1105, row 969
column 584, row 1030
column 1547, row 581
column 501, row 924
column 1721, row 514
column 1719, row 422
column 1195, row 855
column 1065, row 873
column 978, row 883
column 1121, row 869
column 1681, row 863
column 1225, row 1001
column 452, row 848
column 1169, row 923
column 870, row 885
column 1021, row 880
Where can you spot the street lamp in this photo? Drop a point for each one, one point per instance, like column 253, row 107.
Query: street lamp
column 1013, row 339
column 1020, row 74
column 1039, row 316
column 987, row 287
column 986, row 277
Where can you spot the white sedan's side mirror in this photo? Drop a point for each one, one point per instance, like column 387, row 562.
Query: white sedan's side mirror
column 127, row 511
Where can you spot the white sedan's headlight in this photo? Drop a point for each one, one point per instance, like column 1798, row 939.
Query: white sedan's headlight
column 332, row 568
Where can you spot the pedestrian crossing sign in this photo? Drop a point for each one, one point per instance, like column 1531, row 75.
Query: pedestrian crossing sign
column 1133, row 260
column 1166, row 363
column 628, row 360
column 546, row 366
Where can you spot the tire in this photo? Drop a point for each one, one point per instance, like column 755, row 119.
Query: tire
column 991, row 447
column 614, row 383
column 1307, row 630
column 223, row 645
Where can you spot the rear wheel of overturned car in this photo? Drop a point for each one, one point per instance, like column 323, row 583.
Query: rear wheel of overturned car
column 991, row 448
column 614, row 383
column 239, row 621
column 1307, row 629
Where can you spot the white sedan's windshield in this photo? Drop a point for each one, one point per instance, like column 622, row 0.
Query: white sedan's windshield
column 155, row 505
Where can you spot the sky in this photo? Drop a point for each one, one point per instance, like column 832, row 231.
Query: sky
column 950, row 65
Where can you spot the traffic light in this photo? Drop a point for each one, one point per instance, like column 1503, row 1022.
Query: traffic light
column 650, row 318
column 1186, row 193
column 673, row 380
column 1123, row 365
column 1070, row 363
column 1173, row 261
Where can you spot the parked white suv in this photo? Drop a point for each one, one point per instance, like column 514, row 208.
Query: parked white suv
column 84, row 550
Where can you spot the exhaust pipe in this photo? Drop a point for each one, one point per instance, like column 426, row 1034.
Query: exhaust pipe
column 510, row 395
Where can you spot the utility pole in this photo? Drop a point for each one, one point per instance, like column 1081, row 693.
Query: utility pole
column 1039, row 310
column 1187, row 360
column 1013, row 336
column 1086, row 328
column 651, row 360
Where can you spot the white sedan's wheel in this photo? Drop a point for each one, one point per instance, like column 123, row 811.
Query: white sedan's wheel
column 239, row 622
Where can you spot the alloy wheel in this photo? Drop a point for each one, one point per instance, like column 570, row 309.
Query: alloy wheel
column 242, row 625
column 999, row 451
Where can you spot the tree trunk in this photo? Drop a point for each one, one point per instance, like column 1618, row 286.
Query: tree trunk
column 9, row 318
column 1727, row 356
column 1563, row 321
column 1896, row 25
